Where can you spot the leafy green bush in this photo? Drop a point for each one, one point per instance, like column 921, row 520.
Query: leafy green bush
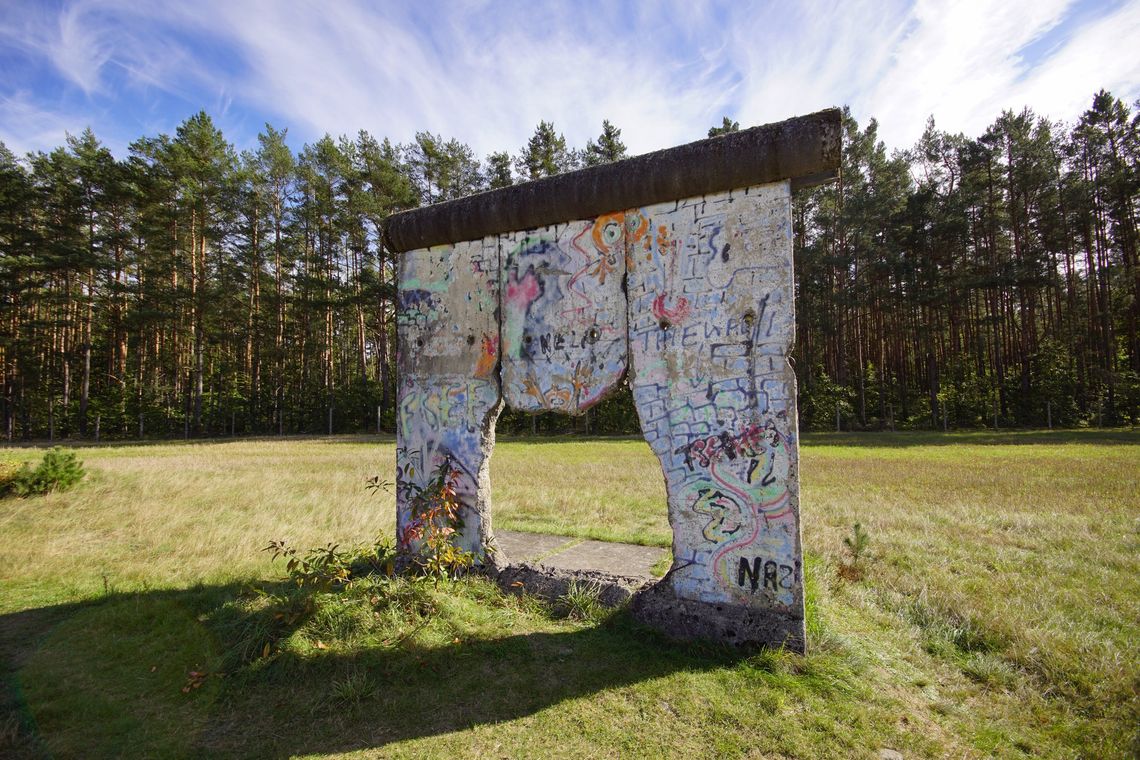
column 328, row 568
column 59, row 470
column 435, row 523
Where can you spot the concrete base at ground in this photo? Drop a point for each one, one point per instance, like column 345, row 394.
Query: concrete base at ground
column 688, row 620
column 547, row 566
column 553, row 583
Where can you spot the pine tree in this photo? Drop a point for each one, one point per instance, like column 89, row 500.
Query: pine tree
column 607, row 149
column 498, row 171
column 727, row 126
column 545, row 154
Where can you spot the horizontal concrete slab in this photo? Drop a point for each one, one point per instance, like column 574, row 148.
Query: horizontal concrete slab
column 569, row 553
column 516, row 546
column 629, row 560
column 805, row 150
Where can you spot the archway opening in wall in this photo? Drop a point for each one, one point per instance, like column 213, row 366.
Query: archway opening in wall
column 556, row 490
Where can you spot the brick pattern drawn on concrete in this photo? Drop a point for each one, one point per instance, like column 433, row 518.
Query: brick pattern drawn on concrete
column 711, row 321
column 564, row 316
column 449, row 396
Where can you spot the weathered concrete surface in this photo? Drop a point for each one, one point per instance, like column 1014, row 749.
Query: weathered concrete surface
column 516, row 546
column 563, row 325
column 711, row 322
column 805, row 150
column 743, row 626
column 546, row 566
column 627, row 560
column 448, row 394
column 567, row 553
column 552, row 583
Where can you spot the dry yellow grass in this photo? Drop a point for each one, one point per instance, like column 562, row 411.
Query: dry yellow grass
column 170, row 514
column 999, row 612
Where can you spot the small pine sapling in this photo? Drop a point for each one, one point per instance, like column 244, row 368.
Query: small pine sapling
column 59, row 470
column 856, row 545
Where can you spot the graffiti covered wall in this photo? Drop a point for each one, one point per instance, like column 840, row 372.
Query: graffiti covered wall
column 711, row 321
column 564, row 324
column 706, row 317
column 448, row 396
column 671, row 271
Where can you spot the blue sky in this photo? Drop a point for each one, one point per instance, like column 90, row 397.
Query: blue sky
column 486, row 72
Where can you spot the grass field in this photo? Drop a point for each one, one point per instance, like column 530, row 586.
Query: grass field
column 998, row 615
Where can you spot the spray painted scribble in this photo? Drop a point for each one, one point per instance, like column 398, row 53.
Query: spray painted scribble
column 710, row 315
column 564, row 333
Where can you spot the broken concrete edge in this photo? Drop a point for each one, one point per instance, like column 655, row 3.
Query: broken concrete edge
column 805, row 150
column 551, row 584
column 653, row 603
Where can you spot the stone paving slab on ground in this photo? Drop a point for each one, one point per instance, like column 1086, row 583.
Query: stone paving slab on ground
column 568, row 553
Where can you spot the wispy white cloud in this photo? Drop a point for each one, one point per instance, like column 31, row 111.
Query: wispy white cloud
column 487, row 72
column 803, row 57
column 482, row 75
column 25, row 126
column 1102, row 53
column 80, row 49
column 959, row 62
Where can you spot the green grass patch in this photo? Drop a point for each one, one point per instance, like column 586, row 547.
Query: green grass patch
column 995, row 612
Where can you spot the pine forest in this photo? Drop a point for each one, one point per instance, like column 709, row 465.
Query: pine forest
column 189, row 290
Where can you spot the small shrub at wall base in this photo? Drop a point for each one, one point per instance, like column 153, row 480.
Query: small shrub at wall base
column 59, row 470
column 328, row 568
column 582, row 602
column 435, row 523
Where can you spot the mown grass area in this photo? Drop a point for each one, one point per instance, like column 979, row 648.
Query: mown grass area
column 998, row 613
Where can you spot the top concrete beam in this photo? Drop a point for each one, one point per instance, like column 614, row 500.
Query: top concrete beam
column 805, row 150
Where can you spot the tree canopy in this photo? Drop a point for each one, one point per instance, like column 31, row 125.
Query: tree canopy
column 188, row 289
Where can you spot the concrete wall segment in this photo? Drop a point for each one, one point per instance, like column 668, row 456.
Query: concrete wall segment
column 689, row 296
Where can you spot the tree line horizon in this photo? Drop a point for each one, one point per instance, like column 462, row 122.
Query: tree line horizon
column 191, row 290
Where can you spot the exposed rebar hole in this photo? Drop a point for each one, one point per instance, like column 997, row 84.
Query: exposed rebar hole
column 664, row 324
column 592, row 335
column 749, row 318
column 419, row 342
column 471, row 340
column 526, row 339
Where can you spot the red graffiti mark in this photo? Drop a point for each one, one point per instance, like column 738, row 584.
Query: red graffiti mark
column 489, row 357
column 749, row 443
column 572, row 284
column 676, row 314
column 520, row 293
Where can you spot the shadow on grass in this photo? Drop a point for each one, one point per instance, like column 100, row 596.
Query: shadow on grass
column 115, row 677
